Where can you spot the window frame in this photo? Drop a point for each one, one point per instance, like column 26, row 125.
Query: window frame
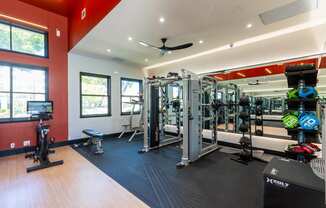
column 43, row 32
column 140, row 90
column 11, row 92
column 109, row 95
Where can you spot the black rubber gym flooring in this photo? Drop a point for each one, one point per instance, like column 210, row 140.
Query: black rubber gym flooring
column 213, row 181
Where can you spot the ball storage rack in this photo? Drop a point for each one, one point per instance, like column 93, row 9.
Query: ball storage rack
column 259, row 118
column 301, row 76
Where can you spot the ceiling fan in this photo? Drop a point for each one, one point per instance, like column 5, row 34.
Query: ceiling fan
column 164, row 49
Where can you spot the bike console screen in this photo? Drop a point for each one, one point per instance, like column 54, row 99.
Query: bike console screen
column 39, row 107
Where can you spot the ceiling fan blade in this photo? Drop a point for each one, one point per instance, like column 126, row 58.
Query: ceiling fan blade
column 148, row 45
column 184, row 46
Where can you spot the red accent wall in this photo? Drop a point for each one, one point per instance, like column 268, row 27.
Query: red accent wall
column 57, row 65
column 95, row 10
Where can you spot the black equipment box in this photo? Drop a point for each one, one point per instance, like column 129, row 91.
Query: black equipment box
column 291, row 184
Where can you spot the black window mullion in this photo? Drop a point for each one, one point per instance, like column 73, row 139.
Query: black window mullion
column 10, row 33
column 11, row 94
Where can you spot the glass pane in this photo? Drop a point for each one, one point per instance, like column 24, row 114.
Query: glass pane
column 28, row 80
column 4, row 78
column 175, row 92
column 27, row 41
column 92, row 105
column 127, row 106
column 4, row 36
column 94, row 85
column 131, row 88
column 20, row 103
column 4, row 105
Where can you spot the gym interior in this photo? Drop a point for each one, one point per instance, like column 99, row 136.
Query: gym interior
column 162, row 103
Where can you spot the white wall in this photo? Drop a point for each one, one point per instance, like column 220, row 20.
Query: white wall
column 107, row 125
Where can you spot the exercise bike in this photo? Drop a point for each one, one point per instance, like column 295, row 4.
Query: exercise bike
column 41, row 110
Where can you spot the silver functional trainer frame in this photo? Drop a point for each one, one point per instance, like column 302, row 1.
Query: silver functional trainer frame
column 156, row 114
column 198, row 95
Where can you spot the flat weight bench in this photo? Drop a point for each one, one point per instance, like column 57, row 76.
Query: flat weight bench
column 95, row 137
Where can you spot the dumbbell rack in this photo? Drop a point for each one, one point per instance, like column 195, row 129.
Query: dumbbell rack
column 259, row 117
column 299, row 77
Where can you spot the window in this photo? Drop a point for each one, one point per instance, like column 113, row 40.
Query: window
column 23, row 40
column 94, row 95
column 131, row 90
column 19, row 84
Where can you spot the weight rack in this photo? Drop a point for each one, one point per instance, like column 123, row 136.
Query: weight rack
column 259, row 127
column 300, row 76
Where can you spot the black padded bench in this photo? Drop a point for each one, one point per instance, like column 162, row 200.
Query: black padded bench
column 96, row 138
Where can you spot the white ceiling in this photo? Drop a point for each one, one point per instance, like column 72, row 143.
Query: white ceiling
column 218, row 23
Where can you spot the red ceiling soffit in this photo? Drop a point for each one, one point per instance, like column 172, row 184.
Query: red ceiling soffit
column 263, row 71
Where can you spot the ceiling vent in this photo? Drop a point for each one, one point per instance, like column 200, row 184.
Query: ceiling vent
column 289, row 10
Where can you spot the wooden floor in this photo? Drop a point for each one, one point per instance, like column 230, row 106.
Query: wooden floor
column 77, row 183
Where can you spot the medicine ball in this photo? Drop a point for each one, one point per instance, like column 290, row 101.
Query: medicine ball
column 259, row 122
column 290, row 121
column 244, row 101
column 245, row 142
column 309, row 121
column 244, row 115
column 293, row 94
column 244, row 127
column 259, row 111
column 259, row 132
column 259, row 101
column 308, row 92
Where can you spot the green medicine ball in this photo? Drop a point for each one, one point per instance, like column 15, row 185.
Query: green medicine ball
column 290, row 121
column 293, row 94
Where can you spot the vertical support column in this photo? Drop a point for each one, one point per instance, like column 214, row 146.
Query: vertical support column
column 154, row 117
column 195, row 119
column 145, row 114
column 215, row 112
column 186, row 116
column 301, row 136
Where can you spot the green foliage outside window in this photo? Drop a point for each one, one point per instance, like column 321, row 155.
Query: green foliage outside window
column 17, row 39
column 4, row 37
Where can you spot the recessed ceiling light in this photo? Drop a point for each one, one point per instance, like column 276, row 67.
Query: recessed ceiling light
column 130, row 38
column 162, row 20
column 249, row 25
column 146, row 59
column 108, row 50
column 169, row 52
column 240, row 74
column 201, row 42
column 219, row 78
column 268, row 70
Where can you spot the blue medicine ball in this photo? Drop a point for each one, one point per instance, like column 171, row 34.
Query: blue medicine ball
column 309, row 121
column 307, row 92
